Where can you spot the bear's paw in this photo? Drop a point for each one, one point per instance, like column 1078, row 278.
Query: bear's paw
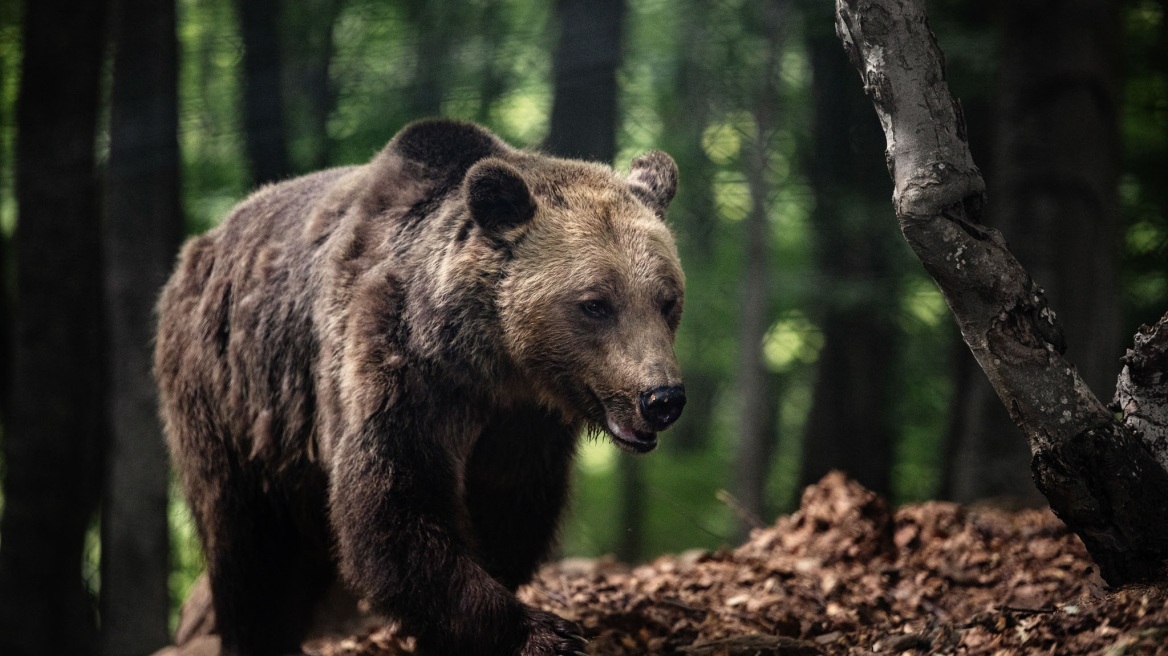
column 551, row 635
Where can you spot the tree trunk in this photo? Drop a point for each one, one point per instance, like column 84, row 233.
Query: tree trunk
column 495, row 77
column 5, row 333
column 1058, row 167
column 757, row 408
column 53, row 442
column 986, row 456
column 142, row 231
column 584, row 125
column 584, row 107
column 8, row 9
column 264, row 124
column 1101, row 479
column 307, row 56
column 757, row 411
column 850, row 426
column 1141, row 393
column 1056, row 172
column 432, row 24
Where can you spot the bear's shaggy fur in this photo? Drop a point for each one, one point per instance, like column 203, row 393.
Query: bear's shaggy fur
column 382, row 370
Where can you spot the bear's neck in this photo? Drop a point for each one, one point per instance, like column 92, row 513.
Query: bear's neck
column 453, row 322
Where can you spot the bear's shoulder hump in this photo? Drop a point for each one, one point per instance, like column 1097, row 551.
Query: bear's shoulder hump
column 446, row 145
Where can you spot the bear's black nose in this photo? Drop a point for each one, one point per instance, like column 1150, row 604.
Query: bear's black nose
column 662, row 406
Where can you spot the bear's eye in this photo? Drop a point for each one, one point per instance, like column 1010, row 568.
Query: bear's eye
column 668, row 306
column 596, row 308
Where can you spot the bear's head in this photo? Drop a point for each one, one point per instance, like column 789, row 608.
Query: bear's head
column 592, row 288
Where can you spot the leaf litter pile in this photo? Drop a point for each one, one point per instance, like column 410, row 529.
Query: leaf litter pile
column 847, row 575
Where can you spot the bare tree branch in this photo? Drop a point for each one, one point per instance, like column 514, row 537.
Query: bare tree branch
column 1098, row 476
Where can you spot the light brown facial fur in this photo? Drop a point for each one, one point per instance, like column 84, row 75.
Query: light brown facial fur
column 591, row 303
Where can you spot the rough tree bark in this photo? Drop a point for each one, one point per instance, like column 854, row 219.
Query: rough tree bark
column 54, row 438
column 1141, row 393
column 1100, row 478
column 143, row 228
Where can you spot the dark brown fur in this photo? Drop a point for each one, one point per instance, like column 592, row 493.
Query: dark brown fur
column 384, row 369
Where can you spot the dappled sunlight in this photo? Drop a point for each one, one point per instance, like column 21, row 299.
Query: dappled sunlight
column 791, row 340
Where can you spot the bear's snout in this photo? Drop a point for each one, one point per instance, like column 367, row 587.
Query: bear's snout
column 661, row 406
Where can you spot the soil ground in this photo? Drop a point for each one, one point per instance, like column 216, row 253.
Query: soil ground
column 846, row 574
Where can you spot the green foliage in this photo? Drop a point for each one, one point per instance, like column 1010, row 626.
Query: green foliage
column 91, row 559
column 1142, row 191
column 496, row 70
column 186, row 553
column 10, row 39
column 927, row 372
column 682, row 510
column 210, row 138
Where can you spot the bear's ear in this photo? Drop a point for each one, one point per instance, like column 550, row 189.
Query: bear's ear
column 497, row 195
column 653, row 179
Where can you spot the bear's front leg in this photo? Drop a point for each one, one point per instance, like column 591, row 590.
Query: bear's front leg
column 515, row 490
column 399, row 518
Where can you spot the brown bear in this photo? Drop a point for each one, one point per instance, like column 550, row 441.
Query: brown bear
column 383, row 370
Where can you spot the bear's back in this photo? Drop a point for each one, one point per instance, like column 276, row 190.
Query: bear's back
column 235, row 342
column 239, row 339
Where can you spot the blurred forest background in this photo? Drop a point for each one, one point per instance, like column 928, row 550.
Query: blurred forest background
column 812, row 339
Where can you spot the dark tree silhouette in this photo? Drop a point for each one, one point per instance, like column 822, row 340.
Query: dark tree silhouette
column 264, row 121
column 494, row 78
column 850, row 425
column 53, row 441
column 307, row 54
column 757, row 414
column 584, row 107
column 8, row 11
column 5, row 332
column 142, row 230
column 433, row 24
column 1054, row 182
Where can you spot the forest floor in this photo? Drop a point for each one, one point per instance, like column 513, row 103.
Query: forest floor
column 845, row 574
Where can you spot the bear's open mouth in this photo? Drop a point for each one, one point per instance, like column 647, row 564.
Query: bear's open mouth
column 631, row 439
column 624, row 436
